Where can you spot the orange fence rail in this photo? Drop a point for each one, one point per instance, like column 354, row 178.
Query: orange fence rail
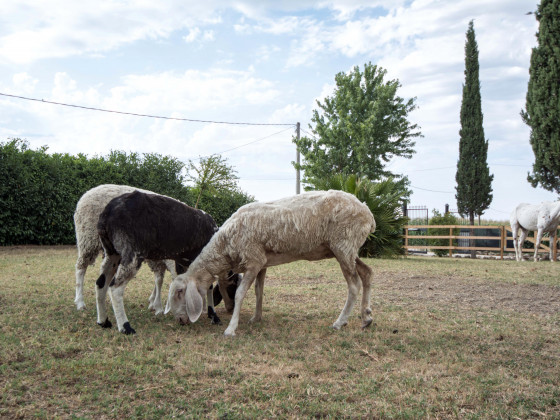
column 503, row 237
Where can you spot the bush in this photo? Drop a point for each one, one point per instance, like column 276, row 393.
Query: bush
column 384, row 199
column 39, row 191
column 439, row 219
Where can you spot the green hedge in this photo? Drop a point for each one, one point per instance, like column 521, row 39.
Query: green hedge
column 39, row 191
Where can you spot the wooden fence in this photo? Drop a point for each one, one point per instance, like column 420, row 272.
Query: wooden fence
column 504, row 235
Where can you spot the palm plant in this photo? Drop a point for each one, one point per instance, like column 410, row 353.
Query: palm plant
column 384, row 198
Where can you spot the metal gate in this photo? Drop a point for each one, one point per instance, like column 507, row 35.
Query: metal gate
column 417, row 215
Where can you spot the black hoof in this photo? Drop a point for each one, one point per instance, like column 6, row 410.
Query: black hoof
column 127, row 329
column 106, row 324
column 213, row 316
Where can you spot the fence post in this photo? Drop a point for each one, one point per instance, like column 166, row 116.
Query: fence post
column 405, row 241
column 450, row 240
column 503, row 241
column 555, row 249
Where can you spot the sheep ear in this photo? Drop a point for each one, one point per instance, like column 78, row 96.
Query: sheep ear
column 194, row 302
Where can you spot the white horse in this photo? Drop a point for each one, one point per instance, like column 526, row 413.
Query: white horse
column 542, row 218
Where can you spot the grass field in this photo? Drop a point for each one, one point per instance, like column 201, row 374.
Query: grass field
column 452, row 338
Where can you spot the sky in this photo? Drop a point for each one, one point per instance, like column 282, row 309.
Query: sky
column 265, row 64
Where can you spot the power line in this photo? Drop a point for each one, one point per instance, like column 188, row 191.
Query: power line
column 425, row 189
column 507, row 164
column 308, row 133
column 452, row 167
column 268, row 179
column 246, row 144
column 499, row 211
column 140, row 115
column 431, row 169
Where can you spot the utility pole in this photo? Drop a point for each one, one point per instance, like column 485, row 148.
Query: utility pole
column 297, row 159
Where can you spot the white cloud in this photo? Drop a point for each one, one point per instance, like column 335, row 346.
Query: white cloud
column 193, row 90
column 426, row 31
column 23, row 83
column 208, row 35
column 346, row 9
column 193, row 35
column 288, row 114
column 192, row 94
column 60, row 29
column 265, row 52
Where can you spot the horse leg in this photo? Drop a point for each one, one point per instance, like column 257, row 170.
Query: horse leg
column 540, row 233
column 514, row 232
column 522, row 237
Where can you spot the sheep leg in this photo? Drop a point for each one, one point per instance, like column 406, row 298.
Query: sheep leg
column 228, row 303
column 246, row 282
column 108, row 269
column 79, row 299
column 211, row 312
column 366, row 273
column 259, row 285
column 158, row 269
column 116, row 290
column 84, row 260
column 117, row 299
column 353, row 282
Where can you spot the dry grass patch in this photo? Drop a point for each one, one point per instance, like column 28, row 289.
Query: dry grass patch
column 451, row 338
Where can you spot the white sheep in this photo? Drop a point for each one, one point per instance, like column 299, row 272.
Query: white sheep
column 86, row 216
column 310, row 226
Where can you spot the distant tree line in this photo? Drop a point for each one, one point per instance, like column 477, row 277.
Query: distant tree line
column 39, row 190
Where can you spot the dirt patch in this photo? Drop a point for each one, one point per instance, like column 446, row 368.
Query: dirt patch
column 468, row 294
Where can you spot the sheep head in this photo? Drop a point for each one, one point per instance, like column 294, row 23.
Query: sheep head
column 185, row 299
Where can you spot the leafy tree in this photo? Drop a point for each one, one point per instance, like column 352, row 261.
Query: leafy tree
column 384, row 199
column 212, row 175
column 150, row 171
column 359, row 129
column 223, row 204
column 542, row 102
column 474, row 181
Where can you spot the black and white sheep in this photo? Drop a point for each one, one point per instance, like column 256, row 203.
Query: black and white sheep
column 137, row 226
column 86, row 217
column 311, row 226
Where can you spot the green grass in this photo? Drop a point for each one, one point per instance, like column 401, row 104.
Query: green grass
column 451, row 339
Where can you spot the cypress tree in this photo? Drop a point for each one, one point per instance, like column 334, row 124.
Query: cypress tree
column 542, row 112
column 474, row 181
